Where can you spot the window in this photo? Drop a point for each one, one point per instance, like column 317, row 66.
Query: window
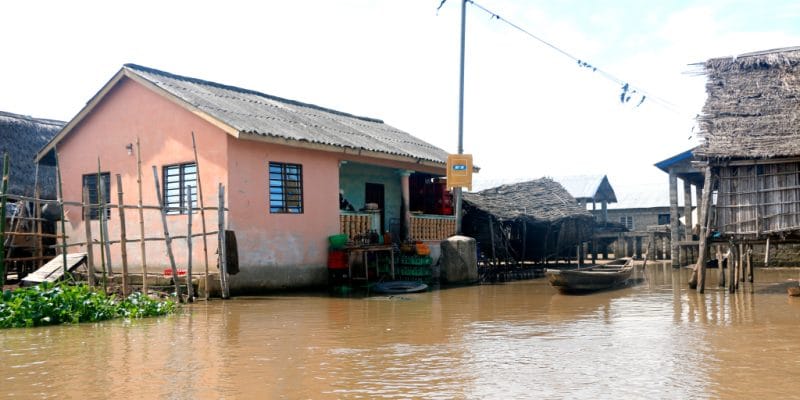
column 627, row 220
column 285, row 188
column 176, row 179
column 90, row 183
column 663, row 219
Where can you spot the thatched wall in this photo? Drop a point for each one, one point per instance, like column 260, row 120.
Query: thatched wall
column 537, row 219
column 752, row 109
column 22, row 137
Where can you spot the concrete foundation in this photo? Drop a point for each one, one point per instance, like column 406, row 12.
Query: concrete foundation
column 459, row 260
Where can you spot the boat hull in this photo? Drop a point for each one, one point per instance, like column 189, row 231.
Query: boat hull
column 590, row 279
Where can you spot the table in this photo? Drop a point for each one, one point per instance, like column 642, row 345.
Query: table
column 365, row 250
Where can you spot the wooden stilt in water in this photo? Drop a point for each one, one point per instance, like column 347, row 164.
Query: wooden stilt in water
column 167, row 238
column 732, row 265
column 123, row 238
column 142, row 245
column 766, row 254
column 189, row 212
column 698, row 278
column 37, row 213
column 202, row 214
column 87, row 223
column 491, row 236
column 720, row 267
column 100, row 212
column 750, row 265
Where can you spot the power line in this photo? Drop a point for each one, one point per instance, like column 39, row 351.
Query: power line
column 628, row 91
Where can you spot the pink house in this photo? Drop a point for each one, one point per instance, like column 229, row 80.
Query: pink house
column 294, row 173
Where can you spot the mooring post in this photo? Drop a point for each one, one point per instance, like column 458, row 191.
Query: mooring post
column 87, row 223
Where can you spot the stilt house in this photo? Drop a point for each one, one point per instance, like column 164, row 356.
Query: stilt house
column 532, row 221
column 751, row 133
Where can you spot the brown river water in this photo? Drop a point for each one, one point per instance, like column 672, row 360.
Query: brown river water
column 518, row 340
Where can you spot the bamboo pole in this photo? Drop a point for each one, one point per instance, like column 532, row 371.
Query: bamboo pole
column 202, row 214
column 766, row 253
column 141, row 215
column 63, row 214
column 189, row 211
column 167, row 239
column 740, row 272
column 3, row 192
column 491, row 235
column 223, row 267
column 87, row 222
column 104, row 218
column 733, row 261
column 122, row 238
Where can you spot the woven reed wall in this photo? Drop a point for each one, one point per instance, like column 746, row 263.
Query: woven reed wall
column 759, row 199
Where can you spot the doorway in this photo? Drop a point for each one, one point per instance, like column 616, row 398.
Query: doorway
column 374, row 193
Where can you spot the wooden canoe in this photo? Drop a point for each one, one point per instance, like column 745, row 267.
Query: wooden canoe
column 593, row 278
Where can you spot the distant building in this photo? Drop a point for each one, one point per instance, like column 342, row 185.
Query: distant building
column 590, row 190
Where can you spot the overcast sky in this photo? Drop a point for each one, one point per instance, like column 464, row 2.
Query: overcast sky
column 530, row 111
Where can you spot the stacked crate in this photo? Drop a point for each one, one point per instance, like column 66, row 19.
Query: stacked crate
column 432, row 227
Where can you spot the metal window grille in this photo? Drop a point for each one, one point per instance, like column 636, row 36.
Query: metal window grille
column 176, row 179
column 90, row 183
column 285, row 188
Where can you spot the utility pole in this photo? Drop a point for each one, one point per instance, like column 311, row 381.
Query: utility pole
column 457, row 190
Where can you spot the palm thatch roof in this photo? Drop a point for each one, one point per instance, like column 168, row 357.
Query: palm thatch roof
column 22, row 136
column 752, row 109
column 540, row 200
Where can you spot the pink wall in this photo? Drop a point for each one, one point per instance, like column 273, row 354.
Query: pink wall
column 164, row 130
column 283, row 250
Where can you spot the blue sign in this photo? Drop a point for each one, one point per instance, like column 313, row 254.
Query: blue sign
column 459, row 167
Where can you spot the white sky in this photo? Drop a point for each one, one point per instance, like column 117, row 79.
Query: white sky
column 530, row 111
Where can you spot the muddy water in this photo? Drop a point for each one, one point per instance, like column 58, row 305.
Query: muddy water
column 516, row 340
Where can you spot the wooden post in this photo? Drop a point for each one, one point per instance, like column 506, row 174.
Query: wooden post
column 750, row 267
column 698, row 278
column 721, row 271
column 4, row 193
column 189, row 211
column 37, row 213
column 740, row 270
column 524, row 239
column 491, row 236
column 673, row 219
column 123, row 238
column 104, row 235
column 733, row 262
column 61, row 206
column 87, row 222
column 594, row 250
column 167, row 238
column 223, row 268
column 202, row 214
column 141, row 215
column 766, row 254
column 100, row 212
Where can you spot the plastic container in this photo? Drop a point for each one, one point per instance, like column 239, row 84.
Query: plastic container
column 338, row 241
column 337, row 259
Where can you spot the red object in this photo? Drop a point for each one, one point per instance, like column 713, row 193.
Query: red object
column 168, row 272
column 337, row 259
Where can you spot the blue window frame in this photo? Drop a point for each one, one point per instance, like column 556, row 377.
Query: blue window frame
column 285, row 188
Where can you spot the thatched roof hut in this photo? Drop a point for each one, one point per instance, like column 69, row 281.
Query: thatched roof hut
column 22, row 136
column 752, row 110
column 531, row 220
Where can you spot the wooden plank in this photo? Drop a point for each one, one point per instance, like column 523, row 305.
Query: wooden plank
column 142, row 244
column 202, row 215
column 167, row 239
column 54, row 269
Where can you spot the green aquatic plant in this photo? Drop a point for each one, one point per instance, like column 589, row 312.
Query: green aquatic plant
column 62, row 303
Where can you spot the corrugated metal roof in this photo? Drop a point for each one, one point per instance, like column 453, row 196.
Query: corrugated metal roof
column 253, row 112
column 587, row 186
column 645, row 195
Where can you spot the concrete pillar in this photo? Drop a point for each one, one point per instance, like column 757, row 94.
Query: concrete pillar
column 405, row 229
column 638, row 247
column 687, row 209
column 674, row 235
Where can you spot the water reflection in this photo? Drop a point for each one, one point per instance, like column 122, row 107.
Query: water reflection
column 516, row 340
